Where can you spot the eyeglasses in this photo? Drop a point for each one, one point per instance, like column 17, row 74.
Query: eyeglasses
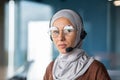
column 67, row 31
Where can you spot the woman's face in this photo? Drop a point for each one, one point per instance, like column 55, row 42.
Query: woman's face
column 64, row 40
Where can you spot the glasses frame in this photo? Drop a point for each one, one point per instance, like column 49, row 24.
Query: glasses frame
column 67, row 31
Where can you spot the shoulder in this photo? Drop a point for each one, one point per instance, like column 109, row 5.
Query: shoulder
column 97, row 66
column 99, row 70
column 96, row 71
column 50, row 65
column 48, row 72
column 97, row 63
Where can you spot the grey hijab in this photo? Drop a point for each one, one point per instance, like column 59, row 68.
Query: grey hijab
column 71, row 65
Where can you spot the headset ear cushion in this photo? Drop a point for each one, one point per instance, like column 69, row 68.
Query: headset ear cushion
column 83, row 34
column 51, row 38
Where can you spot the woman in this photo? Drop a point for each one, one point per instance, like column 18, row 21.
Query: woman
column 67, row 33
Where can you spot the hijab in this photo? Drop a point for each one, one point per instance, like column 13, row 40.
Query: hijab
column 74, row 18
column 73, row 64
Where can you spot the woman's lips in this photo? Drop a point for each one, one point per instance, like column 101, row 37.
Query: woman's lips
column 62, row 46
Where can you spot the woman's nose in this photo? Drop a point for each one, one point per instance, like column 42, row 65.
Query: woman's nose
column 61, row 36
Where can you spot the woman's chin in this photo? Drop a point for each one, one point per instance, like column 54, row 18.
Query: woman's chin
column 63, row 51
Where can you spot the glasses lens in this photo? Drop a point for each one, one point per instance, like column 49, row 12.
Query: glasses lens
column 68, row 29
column 54, row 32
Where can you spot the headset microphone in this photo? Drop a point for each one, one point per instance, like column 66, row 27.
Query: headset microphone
column 69, row 49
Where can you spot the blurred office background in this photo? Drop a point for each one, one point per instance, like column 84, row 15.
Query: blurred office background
column 25, row 46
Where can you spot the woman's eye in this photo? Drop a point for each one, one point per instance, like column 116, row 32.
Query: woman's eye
column 55, row 32
column 68, row 30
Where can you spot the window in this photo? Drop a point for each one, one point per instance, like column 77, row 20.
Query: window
column 39, row 49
